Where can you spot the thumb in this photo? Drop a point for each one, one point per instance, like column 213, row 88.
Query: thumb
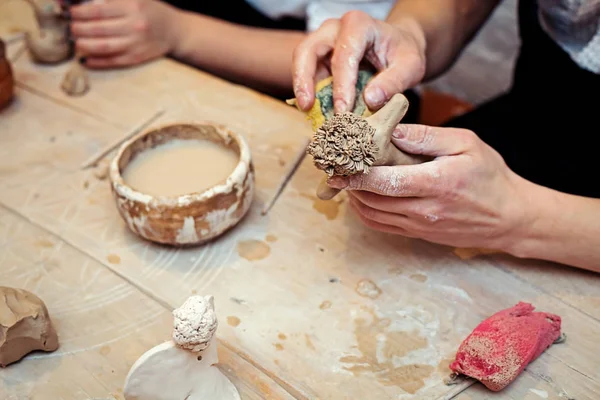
column 397, row 78
column 433, row 141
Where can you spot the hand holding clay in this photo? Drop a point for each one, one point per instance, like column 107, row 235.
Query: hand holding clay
column 25, row 325
column 465, row 197
column 347, row 144
column 119, row 33
column 184, row 368
column 397, row 51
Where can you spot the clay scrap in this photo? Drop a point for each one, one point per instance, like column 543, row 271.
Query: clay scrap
column 184, row 367
column 25, row 325
column 501, row 346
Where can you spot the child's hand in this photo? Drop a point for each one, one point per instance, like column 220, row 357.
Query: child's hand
column 118, row 33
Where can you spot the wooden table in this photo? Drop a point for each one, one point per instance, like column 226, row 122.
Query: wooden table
column 323, row 308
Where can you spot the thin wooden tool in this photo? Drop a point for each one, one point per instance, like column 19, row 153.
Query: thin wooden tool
column 460, row 383
column 94, row 160
column 286, row 178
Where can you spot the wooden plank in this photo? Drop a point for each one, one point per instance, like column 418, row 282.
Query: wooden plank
column 104, row 323
column 322, row 304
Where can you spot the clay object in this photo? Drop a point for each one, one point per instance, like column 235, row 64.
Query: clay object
column 501, row 346
column 76, row 81
column 347, row 144
column 25, row 325
column 50, row 44
column 190, row 219
column 184, row 367
column 7, row 82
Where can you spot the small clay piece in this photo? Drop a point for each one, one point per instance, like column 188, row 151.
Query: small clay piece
column 76, row 81
column 25, row 325
column 500, row 347
column 7, row 82
column 348, row 144
column 183, row 368
column 50, row 44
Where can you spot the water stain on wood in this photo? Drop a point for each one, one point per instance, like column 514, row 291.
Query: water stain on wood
column 233, row 321
column 278, row 346
column 309, row 342
column 396, row 345
column 368, row 288
column 281, row 336
column 44, row 243
column 444, row 366
column 271, row 238
column 113, row 259
column 253, row 250
column 419, row 277
column 329, row 208
column 104, row 350
column 325, row 305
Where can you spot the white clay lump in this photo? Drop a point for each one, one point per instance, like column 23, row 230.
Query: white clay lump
column 183, row 368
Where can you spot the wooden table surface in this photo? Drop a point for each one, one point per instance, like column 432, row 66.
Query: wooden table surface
column 311, row 304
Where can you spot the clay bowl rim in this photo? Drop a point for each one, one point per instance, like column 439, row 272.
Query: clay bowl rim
column 241, row 170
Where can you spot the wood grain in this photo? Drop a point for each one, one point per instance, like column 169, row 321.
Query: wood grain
column 312, row 305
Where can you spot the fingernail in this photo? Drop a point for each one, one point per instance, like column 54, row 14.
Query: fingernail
column 303, row 100
column 338, row 182
column 399, row 132
column 340, row 106
column 374, row 96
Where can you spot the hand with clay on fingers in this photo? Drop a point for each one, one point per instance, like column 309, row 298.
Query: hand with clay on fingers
column 398, row 52
column 119, row 33
column 465, row 197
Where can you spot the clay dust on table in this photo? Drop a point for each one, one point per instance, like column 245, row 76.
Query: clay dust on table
column 368, row 288
column 343, row 145
column 233, row 321
column 253, row 250
column 398, row 344
column 113, row 259
column 325, row 305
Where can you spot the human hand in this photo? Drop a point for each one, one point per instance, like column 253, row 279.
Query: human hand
column 118, row 33
column 398, row 51
column 465, row 197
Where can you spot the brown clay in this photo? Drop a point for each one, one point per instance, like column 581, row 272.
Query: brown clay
column 25, row 325
column 348, row 144
column 50, row 43
column 189, row 219
column 7, row 83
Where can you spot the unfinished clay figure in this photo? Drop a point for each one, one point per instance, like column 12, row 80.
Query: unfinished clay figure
column 183, row 368
column 50, row 43
column 25, row 325
column 348, row 144
column 76, row 81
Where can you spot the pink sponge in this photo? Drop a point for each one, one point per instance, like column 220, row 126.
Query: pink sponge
column 502, row 346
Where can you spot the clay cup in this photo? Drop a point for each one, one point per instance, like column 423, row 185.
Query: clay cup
column 190, row 219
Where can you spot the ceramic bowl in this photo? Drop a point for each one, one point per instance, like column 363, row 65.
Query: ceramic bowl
column 190, row 219
column 7, row 83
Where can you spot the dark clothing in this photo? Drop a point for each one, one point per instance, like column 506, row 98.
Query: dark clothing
column 546, row 124
column 238, row 12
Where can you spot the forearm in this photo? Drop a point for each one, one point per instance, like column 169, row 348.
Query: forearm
column 564, row 228
column 255, row 57
column 448, row 25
